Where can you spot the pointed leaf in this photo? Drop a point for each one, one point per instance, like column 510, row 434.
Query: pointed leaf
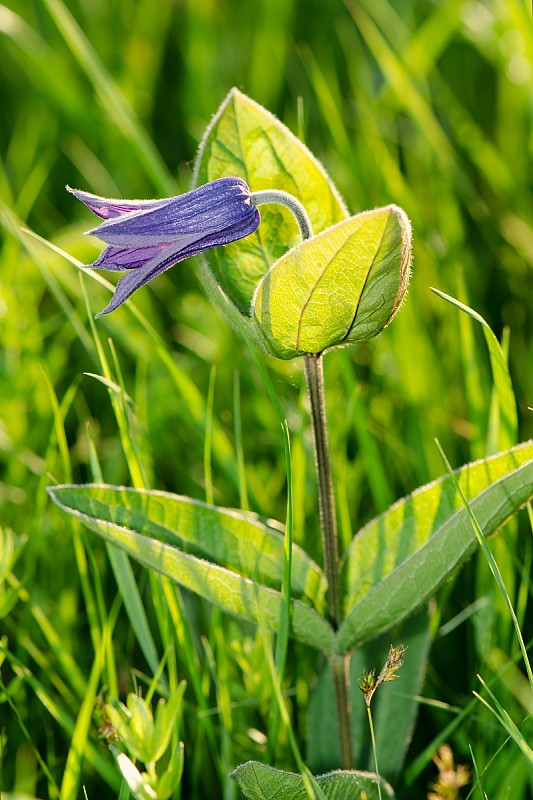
column 246, row 140
column 231, row 538
column 341, row 286
column 261, row 782
column 226, row 588
column 398, row 560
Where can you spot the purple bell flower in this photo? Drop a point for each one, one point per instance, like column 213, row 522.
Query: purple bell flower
column 147, row 237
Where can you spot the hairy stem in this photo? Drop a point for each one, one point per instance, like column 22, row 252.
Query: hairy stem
column 328, row 524
column 290, row 202
column 326, row 501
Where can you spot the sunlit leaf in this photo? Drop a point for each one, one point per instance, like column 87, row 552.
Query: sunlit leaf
column 230, row 590
column 398, row 560
column 341, row 286
column 234, row 539
column 246, row 140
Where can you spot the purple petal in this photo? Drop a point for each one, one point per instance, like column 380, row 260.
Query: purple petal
column 108, row 208
column 218, row 238
column 146, row 237
column 210, row 208
column 117, row 259
column 134, row 279
column 164, row 259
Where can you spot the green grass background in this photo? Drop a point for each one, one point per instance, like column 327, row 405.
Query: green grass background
column 425, row 104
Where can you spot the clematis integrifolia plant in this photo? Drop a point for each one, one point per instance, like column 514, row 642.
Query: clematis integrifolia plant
column 312, row 280
column 147, row 237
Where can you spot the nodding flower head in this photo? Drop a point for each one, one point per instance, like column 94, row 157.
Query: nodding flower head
column 146, row 237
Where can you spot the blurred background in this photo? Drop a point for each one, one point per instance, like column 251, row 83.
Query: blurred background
column 423, row 103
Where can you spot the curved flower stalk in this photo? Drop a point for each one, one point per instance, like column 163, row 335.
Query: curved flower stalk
column 146, row 237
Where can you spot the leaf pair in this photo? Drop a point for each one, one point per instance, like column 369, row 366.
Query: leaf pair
column 235, row 560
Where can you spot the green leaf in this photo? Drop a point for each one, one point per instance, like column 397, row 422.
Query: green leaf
column 394, row 706
column 247, row 141
column 144, row 535
column 261, row 782
column 399, row 559
column 234, row 539
column 344, row 285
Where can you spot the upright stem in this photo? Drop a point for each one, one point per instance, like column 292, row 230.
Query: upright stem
column 314, row 375
column 326, row 500
column 328, row 523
